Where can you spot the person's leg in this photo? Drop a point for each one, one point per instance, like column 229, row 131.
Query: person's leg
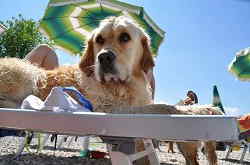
column 44, row 57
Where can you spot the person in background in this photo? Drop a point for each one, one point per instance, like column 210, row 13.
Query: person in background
column 43, row 56
column 189, row 100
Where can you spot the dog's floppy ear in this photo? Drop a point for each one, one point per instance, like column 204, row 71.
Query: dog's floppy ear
column 88, row 59
column 147, row 61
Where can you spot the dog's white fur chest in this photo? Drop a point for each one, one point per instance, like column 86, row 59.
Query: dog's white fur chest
column 105, row 96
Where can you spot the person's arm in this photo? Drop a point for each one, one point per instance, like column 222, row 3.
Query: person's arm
column 189, row 101
column 245, row 121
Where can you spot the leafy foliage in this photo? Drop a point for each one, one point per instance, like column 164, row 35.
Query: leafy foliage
column 20, row 37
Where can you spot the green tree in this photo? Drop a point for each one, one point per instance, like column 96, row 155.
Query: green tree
column 20, row 38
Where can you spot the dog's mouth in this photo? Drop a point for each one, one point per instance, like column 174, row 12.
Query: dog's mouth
column 110, row 75
column 111, row 78
column 107, row 70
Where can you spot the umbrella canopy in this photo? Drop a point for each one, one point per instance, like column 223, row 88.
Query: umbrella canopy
column 240, row 66
column 216, row 99
column 69, row 22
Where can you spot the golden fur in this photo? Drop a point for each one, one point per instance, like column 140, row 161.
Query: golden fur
column 127, row 86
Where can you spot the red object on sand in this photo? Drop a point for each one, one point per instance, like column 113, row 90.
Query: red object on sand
column 98, row 154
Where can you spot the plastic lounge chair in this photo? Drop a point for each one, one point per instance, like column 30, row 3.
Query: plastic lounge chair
column 243, row 143
column 244, row 137
column 112, row 125
column 123, row 129
column 221, row 146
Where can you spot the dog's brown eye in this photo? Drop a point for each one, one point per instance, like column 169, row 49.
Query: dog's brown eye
column 100, row 40
column 124, row 37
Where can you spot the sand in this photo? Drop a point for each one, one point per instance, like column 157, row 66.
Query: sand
column 70, row 155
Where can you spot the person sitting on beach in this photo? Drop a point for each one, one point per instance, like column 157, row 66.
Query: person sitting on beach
column 189, row 100
column 43, row 56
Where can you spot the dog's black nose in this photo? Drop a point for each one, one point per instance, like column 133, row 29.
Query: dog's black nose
column 106, row 58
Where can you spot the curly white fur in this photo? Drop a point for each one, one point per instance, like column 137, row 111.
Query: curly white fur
column 18, row 78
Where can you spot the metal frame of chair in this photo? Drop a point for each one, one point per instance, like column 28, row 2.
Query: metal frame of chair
column 246, row 146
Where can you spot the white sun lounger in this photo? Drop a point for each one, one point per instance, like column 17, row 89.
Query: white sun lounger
column 161, row 127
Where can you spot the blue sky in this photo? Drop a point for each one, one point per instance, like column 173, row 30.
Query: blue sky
column 202, row 38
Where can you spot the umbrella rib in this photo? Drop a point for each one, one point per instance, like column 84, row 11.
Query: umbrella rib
column 101, row 5
column 87, row 11
column 84, row 9
column 51, row 18
column 71, row 29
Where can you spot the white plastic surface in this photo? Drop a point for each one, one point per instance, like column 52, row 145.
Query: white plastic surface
column 163, row 127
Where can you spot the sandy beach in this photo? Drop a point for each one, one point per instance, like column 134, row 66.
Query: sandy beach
column 70, row 155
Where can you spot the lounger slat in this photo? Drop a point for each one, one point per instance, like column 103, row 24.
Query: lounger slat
column 162, row 127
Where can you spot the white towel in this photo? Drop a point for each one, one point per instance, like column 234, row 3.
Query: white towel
column 57, row 101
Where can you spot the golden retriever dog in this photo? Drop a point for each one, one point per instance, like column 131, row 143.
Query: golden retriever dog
column 111, row 74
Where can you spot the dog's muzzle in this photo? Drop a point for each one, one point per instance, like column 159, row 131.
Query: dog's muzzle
column 106, row 60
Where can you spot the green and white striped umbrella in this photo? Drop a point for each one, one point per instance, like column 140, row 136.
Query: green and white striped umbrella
column 69, row 22
column 216, row 99
column 240, row 66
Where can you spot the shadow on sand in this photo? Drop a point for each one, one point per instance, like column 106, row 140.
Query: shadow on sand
column 42, row 159
column 236, row 161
